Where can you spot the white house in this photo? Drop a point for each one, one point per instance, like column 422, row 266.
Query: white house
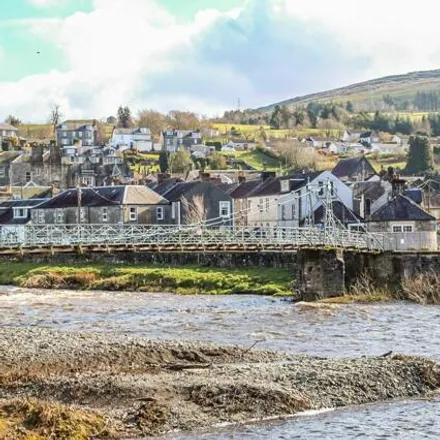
column 129, row 138
column 301, row 198
column 285, row 201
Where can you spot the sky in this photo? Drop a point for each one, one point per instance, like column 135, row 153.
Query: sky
column 91, row 56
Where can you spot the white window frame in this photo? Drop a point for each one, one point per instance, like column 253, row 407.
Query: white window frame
column 160, row 213
column 173, row 210
column 28, row 176
column 224, row 205
column 267, row 204
column 2, row 172
column 283, row 212
column 133, row 214
column 20, row 212
column 104, row 215
column 410, row 227
column 40, row 215
column 399, row 229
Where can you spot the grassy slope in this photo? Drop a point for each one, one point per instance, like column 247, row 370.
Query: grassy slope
column 184, row 280
column 403, row 86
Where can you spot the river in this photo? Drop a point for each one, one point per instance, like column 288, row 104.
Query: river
column 272, row 323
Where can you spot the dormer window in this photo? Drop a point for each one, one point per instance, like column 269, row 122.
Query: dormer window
column 20, row 213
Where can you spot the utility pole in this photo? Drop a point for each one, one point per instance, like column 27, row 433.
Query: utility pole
column 79, row 196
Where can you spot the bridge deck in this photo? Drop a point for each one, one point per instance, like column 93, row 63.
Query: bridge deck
column 116, row 238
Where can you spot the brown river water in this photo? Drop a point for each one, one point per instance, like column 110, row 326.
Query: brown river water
column 277, row 324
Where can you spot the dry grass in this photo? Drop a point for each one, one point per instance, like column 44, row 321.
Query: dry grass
column 422, row 289
column 26, row 419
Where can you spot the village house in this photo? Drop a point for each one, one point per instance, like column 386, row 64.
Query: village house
column 76, row 133
column 242, row 144
column 370, row 196
column 14, row 215
column 103, row 205
column 132, row 138
column 369, row 137
column 175, row 139
column 8, row 131
column 196, row 201
column 284, row 201
column 405, row 225
column 356, row 169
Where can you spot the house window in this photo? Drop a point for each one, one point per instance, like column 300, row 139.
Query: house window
column 403, row 228
column 88, row 180
column 28, row 176
column 321, row 188
column 173, row 210
column 2, row 172
column 82, row 214
column 283, row 212
column 104, row 215
column 225, row 209
column 59, row 216
column 160, row 215
column 40, row 214
column 133, row 214
column 20, row 212
column 267, row 205
column 261, row 205
column 293, row 212
column 408, row 228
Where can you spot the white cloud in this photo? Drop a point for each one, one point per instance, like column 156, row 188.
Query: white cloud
column 135, row 52
column 45, row 3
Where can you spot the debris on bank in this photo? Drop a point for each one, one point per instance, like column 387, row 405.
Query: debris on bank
column 109, row 386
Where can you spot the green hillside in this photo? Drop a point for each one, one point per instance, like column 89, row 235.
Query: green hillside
column 415, row 91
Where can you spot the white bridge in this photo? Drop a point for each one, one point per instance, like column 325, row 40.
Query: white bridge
column 192, row 238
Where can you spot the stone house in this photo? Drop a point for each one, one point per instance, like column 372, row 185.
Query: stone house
column 196, row 201
column 356, row 169
column 128, row 204
column 76, row 133
column 405, row 225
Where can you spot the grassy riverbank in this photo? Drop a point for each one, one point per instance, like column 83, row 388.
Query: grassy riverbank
column 183, row 280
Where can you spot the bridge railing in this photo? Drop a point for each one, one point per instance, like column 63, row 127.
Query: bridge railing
column 172, row 235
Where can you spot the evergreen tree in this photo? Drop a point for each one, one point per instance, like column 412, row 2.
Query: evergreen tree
column 163, row 161
column 124, row 117
column 349, row 107
column 420, row 158
column 276, row 118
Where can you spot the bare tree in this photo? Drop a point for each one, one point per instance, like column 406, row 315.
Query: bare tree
column 153, row 120
column 194, row 210
column 55, row 116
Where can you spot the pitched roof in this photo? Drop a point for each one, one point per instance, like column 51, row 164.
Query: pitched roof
column 400, row 208
column 347, row 167
column 180, row 189
column 371, row 190
column 105, row 196
column 245, row 189
column 6, row 126
column 340, row 211
column 80, row 124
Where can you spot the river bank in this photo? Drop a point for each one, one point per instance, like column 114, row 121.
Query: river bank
column 124, row 386
column 182, row 280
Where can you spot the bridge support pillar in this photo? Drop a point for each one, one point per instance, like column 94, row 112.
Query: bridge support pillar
column 320, row 274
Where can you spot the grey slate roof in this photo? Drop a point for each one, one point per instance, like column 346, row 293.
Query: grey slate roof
column 340, row 211
column 105, row 196
column 400, row 208
column 347, row 167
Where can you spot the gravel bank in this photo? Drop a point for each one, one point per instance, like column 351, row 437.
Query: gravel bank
column 150, row 387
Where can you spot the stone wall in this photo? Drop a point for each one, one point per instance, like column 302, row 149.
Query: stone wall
column 219, row 259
